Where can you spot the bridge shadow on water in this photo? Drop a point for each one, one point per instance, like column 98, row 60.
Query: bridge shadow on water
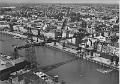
column 54, row 66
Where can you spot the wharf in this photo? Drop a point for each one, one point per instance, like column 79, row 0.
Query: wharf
column 7, row 63
column 99, row 60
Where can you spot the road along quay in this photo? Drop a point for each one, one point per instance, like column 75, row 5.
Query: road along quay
column 99, row 60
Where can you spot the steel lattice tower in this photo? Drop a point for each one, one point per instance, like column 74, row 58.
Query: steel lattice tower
column 30, row 52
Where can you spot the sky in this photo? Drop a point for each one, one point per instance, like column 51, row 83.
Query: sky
column 60, row 1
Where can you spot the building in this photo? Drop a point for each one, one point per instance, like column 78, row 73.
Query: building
column 11, row 66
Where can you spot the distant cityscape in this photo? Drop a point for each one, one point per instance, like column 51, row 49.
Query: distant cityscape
column 90, row 31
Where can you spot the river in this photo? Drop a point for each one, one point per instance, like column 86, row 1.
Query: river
column 75, row 72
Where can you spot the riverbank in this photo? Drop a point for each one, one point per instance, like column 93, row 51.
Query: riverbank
column 100, row 60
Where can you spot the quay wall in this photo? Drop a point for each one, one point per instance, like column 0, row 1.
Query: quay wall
column 66, row 51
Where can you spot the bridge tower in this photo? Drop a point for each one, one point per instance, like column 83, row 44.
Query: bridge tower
column 30, row 52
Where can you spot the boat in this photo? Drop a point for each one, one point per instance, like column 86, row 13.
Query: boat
column 45, row 77
column 16, row 37
column 104, row 71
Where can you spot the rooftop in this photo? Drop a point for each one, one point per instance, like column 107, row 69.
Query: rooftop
column 6, row 63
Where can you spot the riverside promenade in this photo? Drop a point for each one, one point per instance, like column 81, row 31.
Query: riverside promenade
column 96, row 59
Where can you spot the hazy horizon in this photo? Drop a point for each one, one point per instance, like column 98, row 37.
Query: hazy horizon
column 61, row 1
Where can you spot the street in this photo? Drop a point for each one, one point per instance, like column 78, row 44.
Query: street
column 75, row 72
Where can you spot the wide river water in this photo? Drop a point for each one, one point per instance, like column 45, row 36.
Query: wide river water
column 75, row 72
